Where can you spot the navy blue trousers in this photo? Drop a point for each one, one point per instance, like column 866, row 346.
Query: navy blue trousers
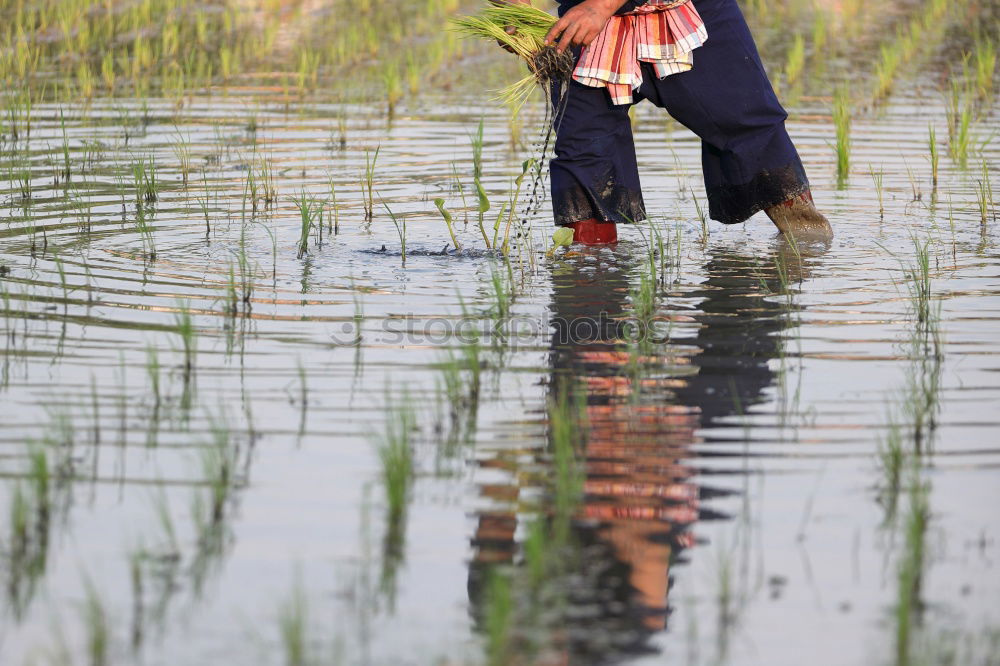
column 748, row 160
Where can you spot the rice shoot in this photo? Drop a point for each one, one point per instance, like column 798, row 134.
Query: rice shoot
column 528, row 43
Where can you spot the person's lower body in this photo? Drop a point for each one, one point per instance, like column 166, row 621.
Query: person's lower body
column 748, row 160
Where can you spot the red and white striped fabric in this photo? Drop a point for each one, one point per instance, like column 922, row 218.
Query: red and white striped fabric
column 661, row 32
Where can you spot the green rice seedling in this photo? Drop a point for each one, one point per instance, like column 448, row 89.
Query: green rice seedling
column 83, row 212
column 984, row 196
column 984, row 64
column 643, row 298
column 274, row 251
column 400, row 224
column 249, row 194
column 439, row 202
column 368, row 183
column 702, row 218
column 265, row 179
column 527, row 42
column 890, row 58
column 108, row 74
column 677, row 255
column 819, row 31
column 307, row 71
column 657, row 255
column 182, row 151
column 477, row 174
column 84, row 80
column 334, row 218
column 959, row 112
column 919, row 283
column 393, row 86
column 477, row 150
column 23, row 175
column 293, row 620
column 309, row 211
column 144, row 180
column 877, row 179
column 953, row 107
column 796, row 59
column 203, row 203
column 483, row 208
column 914, row 185
column 341, row 131
column 145, row 229
column 526, row 166
column 247, row 273
column 842, row 125
column 65, row 147
column 963, row 138
column 412, row 74
column 461, row 190
column 935, row 155
column 497, row 222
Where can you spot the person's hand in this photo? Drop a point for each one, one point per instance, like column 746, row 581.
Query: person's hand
column 582, row 24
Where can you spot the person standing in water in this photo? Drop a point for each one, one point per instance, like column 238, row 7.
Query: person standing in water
column 698, row 60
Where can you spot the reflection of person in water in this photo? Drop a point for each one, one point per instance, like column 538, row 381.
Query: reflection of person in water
column 639, row 499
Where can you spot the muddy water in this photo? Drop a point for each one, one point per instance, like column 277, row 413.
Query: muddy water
column 734, row 508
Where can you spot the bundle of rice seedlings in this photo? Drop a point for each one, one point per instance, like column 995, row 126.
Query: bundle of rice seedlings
column 528, row 42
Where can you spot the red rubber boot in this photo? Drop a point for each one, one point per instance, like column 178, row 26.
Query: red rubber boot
column 594, row 232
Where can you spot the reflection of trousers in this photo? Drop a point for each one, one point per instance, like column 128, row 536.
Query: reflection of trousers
column 748, row 160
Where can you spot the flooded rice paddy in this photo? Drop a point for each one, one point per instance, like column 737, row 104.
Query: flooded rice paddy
column 224, row 442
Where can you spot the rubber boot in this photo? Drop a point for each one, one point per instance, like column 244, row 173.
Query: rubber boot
column 594, row 232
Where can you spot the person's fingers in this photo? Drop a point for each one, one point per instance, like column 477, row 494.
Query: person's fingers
column 567, row 38
column 510, row 30
column 556, row 30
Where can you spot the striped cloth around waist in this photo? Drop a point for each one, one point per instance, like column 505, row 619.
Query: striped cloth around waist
column 661, row 32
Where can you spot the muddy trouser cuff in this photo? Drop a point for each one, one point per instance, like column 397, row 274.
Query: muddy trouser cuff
column 576, row 203
column 732, row 204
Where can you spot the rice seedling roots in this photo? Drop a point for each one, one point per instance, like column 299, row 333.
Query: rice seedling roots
column 549, row 65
